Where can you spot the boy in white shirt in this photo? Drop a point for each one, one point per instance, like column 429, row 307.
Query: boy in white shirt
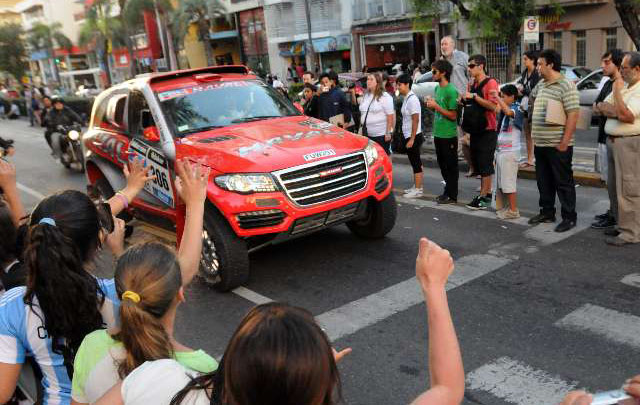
column 510, row 121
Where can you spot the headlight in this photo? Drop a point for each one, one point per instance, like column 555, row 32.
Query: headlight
column 74, row 135
column 247, row 183
column 371, row 153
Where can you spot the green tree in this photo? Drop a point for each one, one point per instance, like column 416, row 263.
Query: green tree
column 47, row 37
column 202, row 13
column 12, row 50
column 629, row 12
column 103, row 30
column 494, row 20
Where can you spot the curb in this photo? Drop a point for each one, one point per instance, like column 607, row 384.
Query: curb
column 586, row 179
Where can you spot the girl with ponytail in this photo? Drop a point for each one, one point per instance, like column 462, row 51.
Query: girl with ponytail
column 149, row 282
column 62, row 302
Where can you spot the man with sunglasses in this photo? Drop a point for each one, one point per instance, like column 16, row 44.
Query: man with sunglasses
column 445, row 132
column 484, row 137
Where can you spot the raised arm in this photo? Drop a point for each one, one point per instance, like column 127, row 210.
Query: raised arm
column 137, row 175
column 191, row 185
column 433, row 267
column 9, row 188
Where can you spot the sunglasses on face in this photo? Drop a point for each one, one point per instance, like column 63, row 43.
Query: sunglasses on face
column 472, row 65
column 435, row 72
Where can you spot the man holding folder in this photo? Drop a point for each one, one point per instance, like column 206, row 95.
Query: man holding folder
column 555, row 114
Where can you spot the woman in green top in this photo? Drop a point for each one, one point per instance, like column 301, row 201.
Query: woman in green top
column 149, row 281
column 445, row 135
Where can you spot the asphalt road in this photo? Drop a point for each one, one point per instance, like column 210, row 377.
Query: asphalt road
column 537, row 313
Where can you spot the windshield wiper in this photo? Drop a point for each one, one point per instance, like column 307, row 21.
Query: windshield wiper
column 256, row 118
column 200, row 129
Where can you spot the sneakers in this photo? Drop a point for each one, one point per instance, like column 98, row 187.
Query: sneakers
column 408, row 190
column 542, row 218
column 565, row 225
column 479, row 203
column 415, row 193
column 508, row 214
column 605, row 223
column 445, row 199
column 602, row 216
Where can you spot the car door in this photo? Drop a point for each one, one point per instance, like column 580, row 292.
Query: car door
column 144, row 143
column 589, row 88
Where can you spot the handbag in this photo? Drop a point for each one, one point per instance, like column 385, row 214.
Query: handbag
column 473, row 114
column 363, row 127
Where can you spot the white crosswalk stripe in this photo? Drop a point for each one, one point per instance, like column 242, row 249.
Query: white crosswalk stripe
column 518, row 383
column 615, row 326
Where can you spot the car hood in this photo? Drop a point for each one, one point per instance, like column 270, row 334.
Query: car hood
column 268, row 145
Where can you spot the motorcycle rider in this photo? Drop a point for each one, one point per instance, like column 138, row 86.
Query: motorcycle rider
column 59, row 115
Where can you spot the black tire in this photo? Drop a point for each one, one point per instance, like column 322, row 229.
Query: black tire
column 379, row 220
column 106, row 192
column 229, row 251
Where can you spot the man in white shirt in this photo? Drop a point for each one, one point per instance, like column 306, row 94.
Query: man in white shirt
column 622, row 108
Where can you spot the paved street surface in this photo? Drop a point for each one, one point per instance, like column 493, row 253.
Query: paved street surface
column 537, row 313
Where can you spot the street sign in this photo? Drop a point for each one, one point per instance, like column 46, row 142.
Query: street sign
column 531, row 30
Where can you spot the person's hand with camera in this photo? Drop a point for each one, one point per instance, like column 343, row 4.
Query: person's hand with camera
column 115, row 240
column 434, row 265
column 137, row 174
column 631, row 387
column 191, row 185
column 9, row 190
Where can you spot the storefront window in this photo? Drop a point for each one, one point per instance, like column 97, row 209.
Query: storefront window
column 581, row 47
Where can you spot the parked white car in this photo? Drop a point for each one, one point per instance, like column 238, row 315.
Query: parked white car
column 425, row 86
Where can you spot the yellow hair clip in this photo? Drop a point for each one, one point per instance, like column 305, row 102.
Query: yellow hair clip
column 131, row 295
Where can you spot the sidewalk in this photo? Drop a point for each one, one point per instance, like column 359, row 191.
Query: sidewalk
column 583, row 164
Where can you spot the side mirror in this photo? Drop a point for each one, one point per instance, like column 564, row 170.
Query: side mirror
column 151, row 134
column 298, row 107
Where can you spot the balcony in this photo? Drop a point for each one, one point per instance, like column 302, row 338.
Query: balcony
column 373, row 9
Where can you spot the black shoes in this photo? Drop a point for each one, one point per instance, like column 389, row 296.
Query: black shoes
column 565, row 225
column 445, row 199
column 542, row 218
column 612, row 232
column 602, row 216
column 606, row 223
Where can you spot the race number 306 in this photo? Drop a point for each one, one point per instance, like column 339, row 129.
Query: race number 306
column 160, row 179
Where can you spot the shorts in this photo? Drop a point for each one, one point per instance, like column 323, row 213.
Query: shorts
column 507, row 171
column 483, row 149
column 602, row 163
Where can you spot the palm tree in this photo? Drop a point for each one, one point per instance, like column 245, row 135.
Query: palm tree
column 103, row 30
column 46, row 37
column 202, row 13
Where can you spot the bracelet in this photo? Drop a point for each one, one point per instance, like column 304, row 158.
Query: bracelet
column 123, row 198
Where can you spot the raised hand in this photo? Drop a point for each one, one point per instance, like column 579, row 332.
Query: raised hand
column 433, row 264
column 192, row 181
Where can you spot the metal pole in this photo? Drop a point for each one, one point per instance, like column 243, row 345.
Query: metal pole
column 312, row 53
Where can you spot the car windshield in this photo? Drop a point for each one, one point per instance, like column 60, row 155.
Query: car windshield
column 214, row 105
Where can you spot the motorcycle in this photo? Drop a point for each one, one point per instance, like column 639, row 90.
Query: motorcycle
column 67, row 145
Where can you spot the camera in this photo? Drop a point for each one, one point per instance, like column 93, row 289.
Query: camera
column 609, row 397
column 5, row 145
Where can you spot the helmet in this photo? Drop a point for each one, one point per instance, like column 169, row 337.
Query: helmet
column 57, row 99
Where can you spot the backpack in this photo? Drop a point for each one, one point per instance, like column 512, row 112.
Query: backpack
column 474, row 118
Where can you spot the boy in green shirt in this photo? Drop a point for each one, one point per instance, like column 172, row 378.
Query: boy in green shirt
column 445, row 135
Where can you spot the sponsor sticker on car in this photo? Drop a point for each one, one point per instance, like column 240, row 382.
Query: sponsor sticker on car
column 160, row 187
column 319, row 154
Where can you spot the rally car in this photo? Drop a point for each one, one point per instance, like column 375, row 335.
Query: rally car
column 276, row 174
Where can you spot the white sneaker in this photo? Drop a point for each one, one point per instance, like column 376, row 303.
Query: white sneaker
column 408, row 190
column 415, row 193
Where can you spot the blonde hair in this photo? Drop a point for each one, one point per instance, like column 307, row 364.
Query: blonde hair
column 379, row 90
column 152, row 272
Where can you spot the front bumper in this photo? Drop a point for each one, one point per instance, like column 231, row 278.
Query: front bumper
column 273, row 213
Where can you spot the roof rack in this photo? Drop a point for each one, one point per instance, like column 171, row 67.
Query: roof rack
column 237, row 69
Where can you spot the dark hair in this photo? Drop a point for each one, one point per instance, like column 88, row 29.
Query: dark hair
column 309, row 73
column 68, row 296
column 616, row 56
column 323, row 75
column 634, row 59
column 152, row 271
column 333, row 76
column 277, row 355
column 405, row 79
column 310, row 87
column 551, row 56
column 509, row 90
column 9, row 232
column 479, row 60
column 533, row 55
column 443, row 65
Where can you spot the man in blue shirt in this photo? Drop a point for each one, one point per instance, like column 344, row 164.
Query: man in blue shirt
column 332, row 101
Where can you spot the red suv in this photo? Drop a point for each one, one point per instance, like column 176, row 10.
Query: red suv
column 276, row 174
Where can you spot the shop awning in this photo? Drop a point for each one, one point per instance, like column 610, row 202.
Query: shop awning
column 331, row 44
column 80, row 72
column 388, row 38
column 296, row 49
column 39, row 55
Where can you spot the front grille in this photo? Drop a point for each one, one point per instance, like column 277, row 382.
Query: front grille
column 324, row 181
column 323, row 219
column 260, row 219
